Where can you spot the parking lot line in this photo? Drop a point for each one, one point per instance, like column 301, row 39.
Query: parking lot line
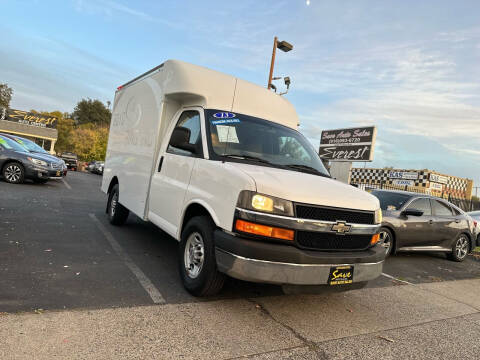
column 67, row 184
column 394, row 278
column 142, row 278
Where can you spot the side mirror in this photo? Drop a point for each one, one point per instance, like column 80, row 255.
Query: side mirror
column 180, row 139
column 412, row 212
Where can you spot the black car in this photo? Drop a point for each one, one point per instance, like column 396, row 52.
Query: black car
column 419, row 222
column 18, row 164
column 34, row 148
column 71, row 160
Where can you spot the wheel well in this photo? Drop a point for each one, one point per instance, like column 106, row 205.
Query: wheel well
column 193, row 210
column 394, row 238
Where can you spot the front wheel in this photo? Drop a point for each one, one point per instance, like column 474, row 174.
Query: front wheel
column 117, row 213
column 460, row 248
column 13, row 173
column 386, row 240
column 197, row 265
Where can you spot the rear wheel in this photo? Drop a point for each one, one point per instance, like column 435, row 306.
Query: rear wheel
column 198, row 266
column 117, row 213
column 386, row 239
column 13, row 173
column 460, row 248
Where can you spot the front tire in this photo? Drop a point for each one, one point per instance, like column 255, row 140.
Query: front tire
column 460, row 248
column 117, row 213
column 197, row 265
column 13, row 173
column 386, row 240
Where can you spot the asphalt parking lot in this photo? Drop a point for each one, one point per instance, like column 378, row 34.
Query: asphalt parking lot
column 65, row 270
column 56, row 253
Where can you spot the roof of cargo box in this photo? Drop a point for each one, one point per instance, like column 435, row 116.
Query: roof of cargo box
column 220, row 91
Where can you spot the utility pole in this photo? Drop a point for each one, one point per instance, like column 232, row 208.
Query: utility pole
column 282, row 45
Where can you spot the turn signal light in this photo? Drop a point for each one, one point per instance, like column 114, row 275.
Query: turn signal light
column 375, row 239
column 264, row 230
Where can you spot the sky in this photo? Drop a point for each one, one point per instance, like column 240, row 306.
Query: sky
column 412, row 68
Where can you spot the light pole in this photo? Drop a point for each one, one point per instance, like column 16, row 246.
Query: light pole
column 282, row 45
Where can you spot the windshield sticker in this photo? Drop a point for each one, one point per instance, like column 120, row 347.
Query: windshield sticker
column 225, row 121
column 224, row 115
column 227, row 134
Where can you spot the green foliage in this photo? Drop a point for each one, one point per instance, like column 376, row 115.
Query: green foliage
column 5, row 95
column 88, row 140
column 475, row 198
column 91, row 111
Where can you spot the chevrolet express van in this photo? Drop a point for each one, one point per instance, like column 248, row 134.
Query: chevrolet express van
column 218, row 163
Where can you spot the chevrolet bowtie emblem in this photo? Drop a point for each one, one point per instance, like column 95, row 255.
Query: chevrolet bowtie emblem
column 341, row 227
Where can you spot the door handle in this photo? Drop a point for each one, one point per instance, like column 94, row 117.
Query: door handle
column 160, row 164
column 430, row 222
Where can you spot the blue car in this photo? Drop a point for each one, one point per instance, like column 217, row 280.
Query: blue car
column 18, row 164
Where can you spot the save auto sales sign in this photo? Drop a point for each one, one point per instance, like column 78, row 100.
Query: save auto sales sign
column 354, row 144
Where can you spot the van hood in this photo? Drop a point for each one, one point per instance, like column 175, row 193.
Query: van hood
column 307, row 188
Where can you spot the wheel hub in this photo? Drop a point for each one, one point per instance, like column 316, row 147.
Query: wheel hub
column 461, row 247
column 13, row 173
column 194, row 255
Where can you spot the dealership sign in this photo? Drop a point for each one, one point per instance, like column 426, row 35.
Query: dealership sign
column 28, row 118
column 401, row 182
column 407, row 175
column 435, row 186
column 355, row 144
column 438, row 178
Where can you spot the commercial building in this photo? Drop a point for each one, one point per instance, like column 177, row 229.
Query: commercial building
column 422, row 181
column 36, row 127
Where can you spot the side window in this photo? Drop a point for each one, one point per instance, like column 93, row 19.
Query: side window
column 190, row 120
column 422, row 204
column 441, row 209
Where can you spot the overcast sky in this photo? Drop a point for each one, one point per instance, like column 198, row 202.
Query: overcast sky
column 412, row 68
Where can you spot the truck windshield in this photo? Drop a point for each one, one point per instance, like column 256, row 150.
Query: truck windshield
column 237, row 136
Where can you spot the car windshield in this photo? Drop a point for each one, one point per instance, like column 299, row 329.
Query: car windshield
column 12, row 145
column 390, row 200
column 238, row 136
column 30, row 145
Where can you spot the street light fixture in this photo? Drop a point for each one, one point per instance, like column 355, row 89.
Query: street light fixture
column 282, row 45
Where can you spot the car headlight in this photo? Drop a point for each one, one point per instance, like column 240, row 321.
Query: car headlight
column 378, row 216
column 264, row 203
column 37, row 161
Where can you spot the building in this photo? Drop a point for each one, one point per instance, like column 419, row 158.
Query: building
column 423, row 181
column 36, row 127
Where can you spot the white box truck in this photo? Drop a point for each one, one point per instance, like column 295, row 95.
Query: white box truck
column 217, row 163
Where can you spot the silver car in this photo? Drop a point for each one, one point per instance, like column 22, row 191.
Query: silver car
column 475, row 215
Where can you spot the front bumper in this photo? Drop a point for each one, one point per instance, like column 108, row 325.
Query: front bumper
column 265, row 262
column 38, row 172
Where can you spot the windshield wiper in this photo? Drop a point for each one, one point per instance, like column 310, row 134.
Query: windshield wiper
column 307, row 168
column 247, row 157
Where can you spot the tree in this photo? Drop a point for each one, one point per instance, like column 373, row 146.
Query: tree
column 91, row 111
column 5, row 95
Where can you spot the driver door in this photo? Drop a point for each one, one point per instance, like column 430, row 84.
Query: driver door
column 418, row 230
column 172, row 177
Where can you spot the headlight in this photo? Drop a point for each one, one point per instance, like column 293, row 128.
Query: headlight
column 37, row 161
column 378, row 216
column 264, row 203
